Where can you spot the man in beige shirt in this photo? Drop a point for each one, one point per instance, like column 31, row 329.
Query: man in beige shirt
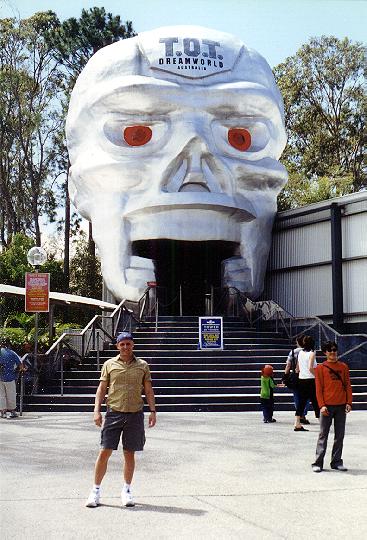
column 125, row 377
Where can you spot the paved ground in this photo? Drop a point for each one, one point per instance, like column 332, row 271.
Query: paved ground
column 202, row 476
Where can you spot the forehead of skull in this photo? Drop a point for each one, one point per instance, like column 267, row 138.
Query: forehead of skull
column 178, row 56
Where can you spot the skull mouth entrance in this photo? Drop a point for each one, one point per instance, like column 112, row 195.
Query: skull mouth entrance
column 195, row 266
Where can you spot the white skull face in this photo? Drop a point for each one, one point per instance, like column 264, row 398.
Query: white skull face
column 163, row 147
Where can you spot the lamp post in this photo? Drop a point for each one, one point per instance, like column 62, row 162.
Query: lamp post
column 36, row 256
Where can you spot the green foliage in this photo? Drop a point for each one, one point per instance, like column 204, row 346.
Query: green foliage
column 13, row 261
column 16, row 338
column 29, row 113
column 60, row 328
column 24, row 320
column 86, row 281
column 325, row 106
column 85, row 272
column 76, row 40
column 55, row 269
column 300, row 191
column 14, row 265
column 40, row 59
column 73, row 43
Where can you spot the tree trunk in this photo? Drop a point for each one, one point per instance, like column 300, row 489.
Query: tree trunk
column 67, row 233
column 91, row 244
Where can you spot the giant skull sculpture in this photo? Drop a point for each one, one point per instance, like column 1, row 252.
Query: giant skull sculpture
column 176, row 134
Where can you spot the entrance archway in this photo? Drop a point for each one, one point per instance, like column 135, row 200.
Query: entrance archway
column 195, row 266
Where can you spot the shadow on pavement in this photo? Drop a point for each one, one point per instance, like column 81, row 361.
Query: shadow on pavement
column 162, row 509
column 356, row 472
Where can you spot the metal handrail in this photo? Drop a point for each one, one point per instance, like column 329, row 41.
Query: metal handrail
column 91, row 333
column 275, row 310
column 354, row 348
column 90, row 326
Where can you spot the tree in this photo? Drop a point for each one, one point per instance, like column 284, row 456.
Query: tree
column 14, row 263
column 325, row 107
column 85, row 272
column 76, row 40
column 13, row 260
column 29, row 91
column 73, row 43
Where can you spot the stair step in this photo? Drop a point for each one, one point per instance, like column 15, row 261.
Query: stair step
column 184, row 398
column 180, row 407
column 193, row 346
column 193, row 340
column 186, row 379
column 201, row 387
column 187, row 332
column 195, row 353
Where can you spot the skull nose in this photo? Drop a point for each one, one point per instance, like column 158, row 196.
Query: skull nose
column 194, row 176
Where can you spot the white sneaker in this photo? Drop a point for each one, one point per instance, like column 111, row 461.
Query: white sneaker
column 127, row 498
column 93, row 499
column 316, row 468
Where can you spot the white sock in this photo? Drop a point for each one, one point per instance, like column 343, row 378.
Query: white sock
column 96, row 487
column 126, row 487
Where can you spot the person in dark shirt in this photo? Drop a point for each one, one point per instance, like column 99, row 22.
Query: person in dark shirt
column 9, row 364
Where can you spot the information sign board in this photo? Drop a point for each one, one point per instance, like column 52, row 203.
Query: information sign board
column 211, row 332
column 37, row 292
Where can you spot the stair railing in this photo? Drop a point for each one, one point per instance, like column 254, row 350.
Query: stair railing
column 352, row 347
column 99, row 329
column 149, row 305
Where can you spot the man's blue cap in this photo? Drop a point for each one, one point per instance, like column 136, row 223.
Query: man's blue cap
column 124, row 335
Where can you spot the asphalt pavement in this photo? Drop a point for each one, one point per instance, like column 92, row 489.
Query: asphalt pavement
column 201, row 476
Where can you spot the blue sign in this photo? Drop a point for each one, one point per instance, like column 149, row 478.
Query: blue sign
column 211, row 332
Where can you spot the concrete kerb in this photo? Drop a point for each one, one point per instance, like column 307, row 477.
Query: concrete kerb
column 202, row 475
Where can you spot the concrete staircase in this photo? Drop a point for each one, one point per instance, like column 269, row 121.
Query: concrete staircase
column 186, row 379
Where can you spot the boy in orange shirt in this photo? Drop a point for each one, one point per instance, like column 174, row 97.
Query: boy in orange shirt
column 334, row 396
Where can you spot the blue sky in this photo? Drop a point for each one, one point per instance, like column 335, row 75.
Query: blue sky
column 275, row 28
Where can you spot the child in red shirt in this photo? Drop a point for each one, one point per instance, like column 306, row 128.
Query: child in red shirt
column 334, row 396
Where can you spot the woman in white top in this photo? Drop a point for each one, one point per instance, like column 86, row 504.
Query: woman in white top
column 306, row 365
column 290, row 366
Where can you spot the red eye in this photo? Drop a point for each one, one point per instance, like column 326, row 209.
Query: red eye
column 239, row 138
column 137, row 135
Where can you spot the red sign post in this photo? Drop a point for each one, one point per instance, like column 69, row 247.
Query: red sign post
column 37, row 292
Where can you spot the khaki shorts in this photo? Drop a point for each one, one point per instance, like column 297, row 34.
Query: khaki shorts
column 128, row 426
column 8, row 396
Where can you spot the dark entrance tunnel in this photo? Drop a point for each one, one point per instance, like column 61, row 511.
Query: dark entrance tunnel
column 196, row 266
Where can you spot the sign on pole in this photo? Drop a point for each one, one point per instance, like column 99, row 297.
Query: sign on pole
column 211, row 332
column 37, row 292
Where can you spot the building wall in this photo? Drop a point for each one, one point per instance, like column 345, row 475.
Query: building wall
column 299, row 275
